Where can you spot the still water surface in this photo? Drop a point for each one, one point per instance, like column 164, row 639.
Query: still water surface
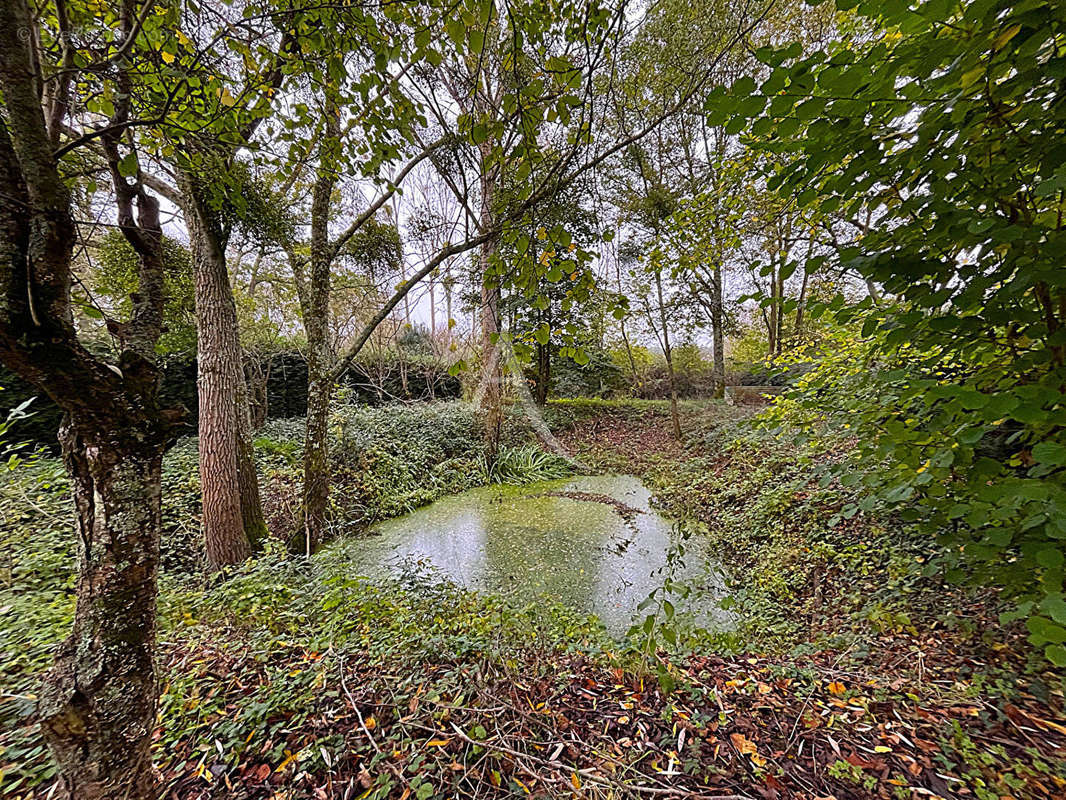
column 593, row 543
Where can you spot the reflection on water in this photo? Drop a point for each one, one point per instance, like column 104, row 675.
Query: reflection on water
column 563, row 539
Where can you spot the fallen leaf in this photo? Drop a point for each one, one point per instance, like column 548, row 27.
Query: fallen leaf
column 743, row 744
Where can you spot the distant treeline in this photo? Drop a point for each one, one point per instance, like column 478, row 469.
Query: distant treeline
column 283, row 375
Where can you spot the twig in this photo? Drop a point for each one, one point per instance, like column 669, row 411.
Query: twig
column 366, row 731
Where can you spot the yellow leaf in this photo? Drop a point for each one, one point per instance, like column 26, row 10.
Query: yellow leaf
column 288, row 760
column 438, row 742
column 204, row 773
column 226, row 98
column 743, row 743
column 168, row 58
column 882, row 749
column 1047, row 724
column 1006, row 36
column 575, row 780
column 836, row 687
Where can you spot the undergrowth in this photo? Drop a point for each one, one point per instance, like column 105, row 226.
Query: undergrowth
column 389, row 460
column 295, row 678
column 386, row 461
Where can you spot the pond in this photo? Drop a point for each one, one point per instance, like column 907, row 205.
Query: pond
column 593, row 543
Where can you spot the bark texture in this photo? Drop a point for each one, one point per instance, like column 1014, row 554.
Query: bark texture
column 252, row 519
column 97, row 705
column 314, row 291
column 316, row 451
column 544, row 366
column 98, row 702
column 256, row 378
column 221, row 393
column 490, row 409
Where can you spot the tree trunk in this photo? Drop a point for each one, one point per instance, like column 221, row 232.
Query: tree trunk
column 220, row 381
column 718, row 331
column 97, row 705
column 675, row 416
column 314, row 308
column 449, row 323
column 771, row 322
column 252, row 519
column 779, row 292
column 801, row 306
column 256, row 378
column 543, row 373
column 491, row 407
column 98, row 702
column 432, row 311
column 316, row 440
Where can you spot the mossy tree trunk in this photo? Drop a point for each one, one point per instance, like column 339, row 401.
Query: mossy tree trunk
column 98, row 702
column 313, row 288
column 97, row 706
column 490, row 409
column 316, row 450
column 544, row 364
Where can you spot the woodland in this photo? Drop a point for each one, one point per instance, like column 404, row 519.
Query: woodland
column 552, row 398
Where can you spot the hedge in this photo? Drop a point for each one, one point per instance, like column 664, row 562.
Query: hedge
column 369, row 383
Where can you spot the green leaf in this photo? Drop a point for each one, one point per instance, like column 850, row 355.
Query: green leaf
column 1051, row 453
column 1050, row 558
column 1055, row 606
column 127, row 166
column 666, row 680
column 1042, row 631
column 456, row 30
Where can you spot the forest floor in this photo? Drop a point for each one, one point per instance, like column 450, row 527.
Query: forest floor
column 847, row 677
column 860, row 676
column 899, row 704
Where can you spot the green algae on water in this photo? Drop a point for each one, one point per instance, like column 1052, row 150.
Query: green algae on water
column 593, row 543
